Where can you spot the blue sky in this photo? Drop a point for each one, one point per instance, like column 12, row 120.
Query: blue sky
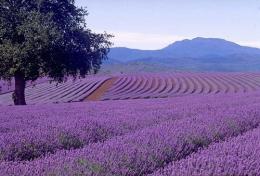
column 153, row 24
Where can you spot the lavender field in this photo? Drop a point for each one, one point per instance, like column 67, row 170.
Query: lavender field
column 135, row 86
column 129, row 88
column 196, row 134
column 44, row 91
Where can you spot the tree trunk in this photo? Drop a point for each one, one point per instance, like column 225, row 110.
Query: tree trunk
column 19, row 93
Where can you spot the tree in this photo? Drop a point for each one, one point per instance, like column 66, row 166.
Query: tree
column 50, row 38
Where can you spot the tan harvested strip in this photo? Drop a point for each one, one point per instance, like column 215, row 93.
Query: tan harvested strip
column 101, row 90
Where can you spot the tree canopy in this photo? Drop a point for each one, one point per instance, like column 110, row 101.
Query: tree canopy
column 47, row 38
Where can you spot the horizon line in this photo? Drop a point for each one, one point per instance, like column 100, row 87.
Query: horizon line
column 243, row 44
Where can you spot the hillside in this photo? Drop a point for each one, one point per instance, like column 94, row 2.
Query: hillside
column 199, row 54
column 138, row 86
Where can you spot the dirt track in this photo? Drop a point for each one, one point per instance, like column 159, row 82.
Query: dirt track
column 99, row 92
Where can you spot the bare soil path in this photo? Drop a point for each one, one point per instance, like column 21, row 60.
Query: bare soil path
column 101, row 90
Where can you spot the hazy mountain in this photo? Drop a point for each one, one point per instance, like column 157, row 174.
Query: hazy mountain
column 199, row 54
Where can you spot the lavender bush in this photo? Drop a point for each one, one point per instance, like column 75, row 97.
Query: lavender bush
column 133, row 137
column 238, row 156
column 143, row 151
column 180, row 84
column 70, row 91
column 31, row 132
column 137, row 86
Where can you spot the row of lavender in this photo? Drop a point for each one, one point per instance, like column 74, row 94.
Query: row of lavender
column 237, row 156
column 178, row 84
column 8, row 86
column 70, row 91
column 34, row 131
column 141, row 137
column 141, row 86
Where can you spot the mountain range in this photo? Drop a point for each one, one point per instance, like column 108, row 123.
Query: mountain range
column 198, row 54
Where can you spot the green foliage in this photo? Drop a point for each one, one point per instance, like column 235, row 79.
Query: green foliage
column 48, row 38
column 70, row 141
column 90, row 166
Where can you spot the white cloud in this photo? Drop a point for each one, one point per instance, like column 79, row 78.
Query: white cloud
column 152, row 41
column 143, row 40
column 250, row 43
